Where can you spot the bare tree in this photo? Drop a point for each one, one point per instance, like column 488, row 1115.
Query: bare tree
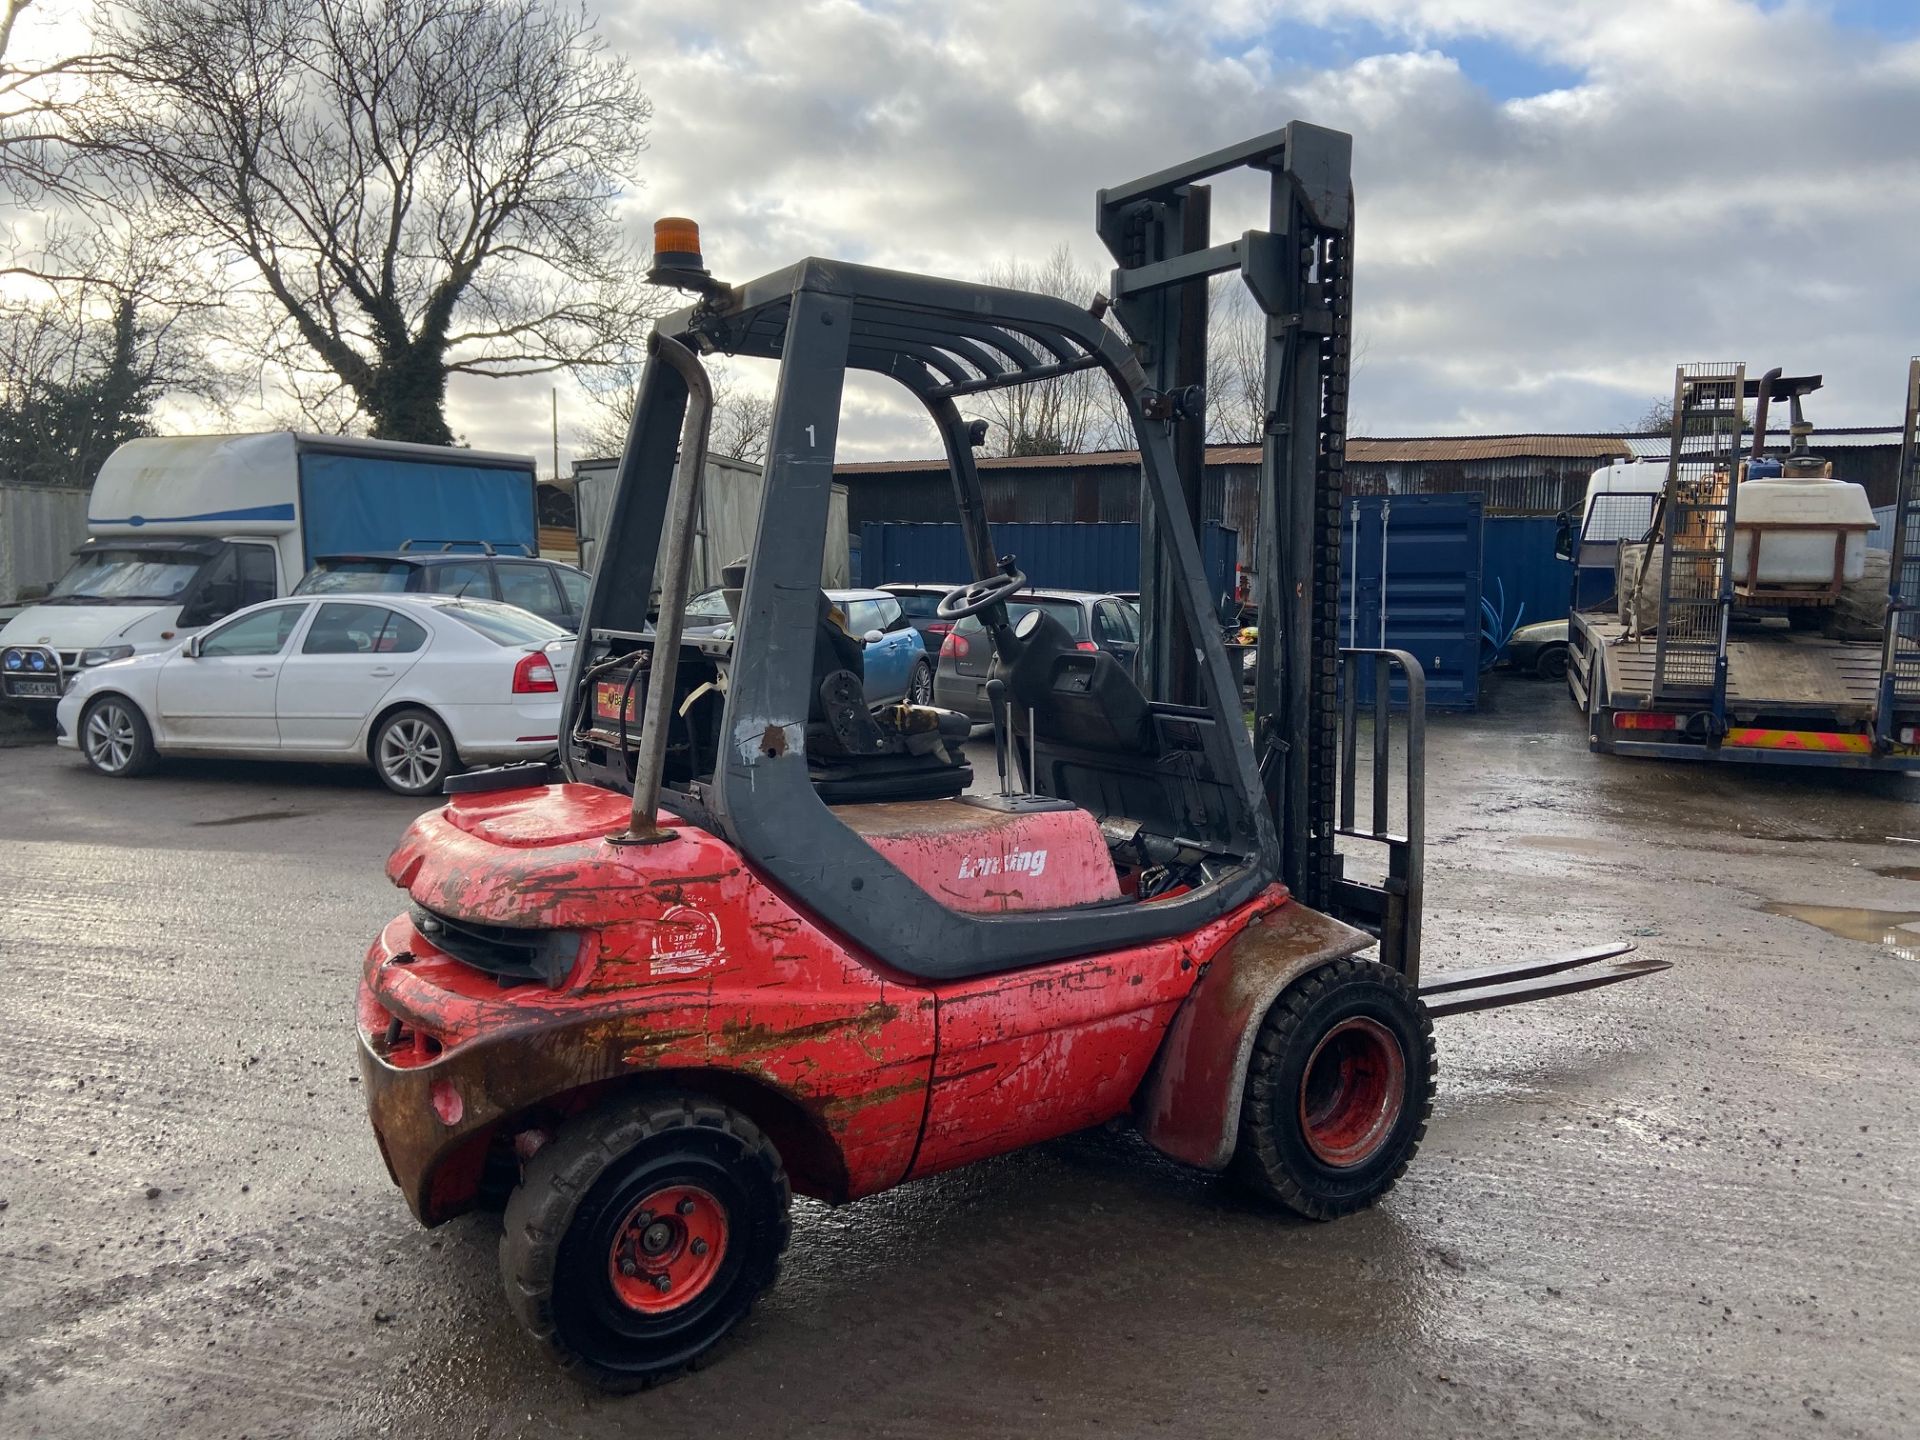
column 1236, row 364
column 85, row 356
column 1064, row 415
column 742, row 418
column 421, row 187
column 37, row 153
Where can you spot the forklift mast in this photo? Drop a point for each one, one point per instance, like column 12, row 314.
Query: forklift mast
column 1299, row 273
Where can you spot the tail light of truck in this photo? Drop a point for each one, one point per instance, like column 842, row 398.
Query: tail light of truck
column 955, row 645
column 1645, row 720
column 1085, row 645
column 534, row 675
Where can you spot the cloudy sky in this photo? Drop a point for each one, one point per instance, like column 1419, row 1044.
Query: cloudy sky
column 1558, row 199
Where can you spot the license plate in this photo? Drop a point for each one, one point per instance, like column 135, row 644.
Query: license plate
column 606, row 701
column 34, row 689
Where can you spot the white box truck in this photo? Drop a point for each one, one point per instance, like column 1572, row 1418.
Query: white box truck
column 183, row 530
column 724, row 527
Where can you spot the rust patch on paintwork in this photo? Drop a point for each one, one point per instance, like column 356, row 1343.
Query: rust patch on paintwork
column 837, row 1110
column 749, row 1039
column 773, row 742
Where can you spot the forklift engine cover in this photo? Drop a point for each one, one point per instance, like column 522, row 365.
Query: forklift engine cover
column 677, row 958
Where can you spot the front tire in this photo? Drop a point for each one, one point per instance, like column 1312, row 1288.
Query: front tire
column 920, row 685
column 1551, row 663
column 1338, row 1091
column 115, row 737
column 641, row 1237
column 413, row 752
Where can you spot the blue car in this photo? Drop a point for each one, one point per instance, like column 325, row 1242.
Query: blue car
column 897, row 664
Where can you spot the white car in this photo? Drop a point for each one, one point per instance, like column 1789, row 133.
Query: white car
column 415, row 685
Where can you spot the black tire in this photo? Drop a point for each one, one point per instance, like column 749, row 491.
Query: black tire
column 412, row 752
column 1551, row 663
column 1339, row 1089
column 115, row 738
column 575, row 1212
column 920, row 684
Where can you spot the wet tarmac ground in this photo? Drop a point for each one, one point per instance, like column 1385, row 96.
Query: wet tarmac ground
column 1683, row 1206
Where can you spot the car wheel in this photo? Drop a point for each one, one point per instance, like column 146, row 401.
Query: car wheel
column 1551, row 663
column 642, row 1235
column 413, row 753
column 1338, row 1091
column 920, row 685
column 115, row 738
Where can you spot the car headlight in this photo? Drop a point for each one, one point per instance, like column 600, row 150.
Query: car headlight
column 101, row 654
column 13, row 660
column 37, row 660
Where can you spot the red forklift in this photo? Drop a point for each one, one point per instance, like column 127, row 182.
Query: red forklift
column 757, row 937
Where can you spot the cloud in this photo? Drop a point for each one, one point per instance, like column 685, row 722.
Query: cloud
column 1715, row 180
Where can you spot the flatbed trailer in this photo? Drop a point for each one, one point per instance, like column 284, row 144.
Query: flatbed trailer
column 1717, row 678
column 1791, row 698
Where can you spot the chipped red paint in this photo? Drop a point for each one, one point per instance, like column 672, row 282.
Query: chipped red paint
column 693, row 972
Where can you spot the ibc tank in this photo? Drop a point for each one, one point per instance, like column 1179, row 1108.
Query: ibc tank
column 1829, row 508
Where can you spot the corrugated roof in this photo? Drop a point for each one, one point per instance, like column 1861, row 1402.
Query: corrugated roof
column 1392, row 449
column 1655, row 447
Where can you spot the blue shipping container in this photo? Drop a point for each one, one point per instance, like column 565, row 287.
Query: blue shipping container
column 1095, row 556
column 1520, row 576
column 1410, row 580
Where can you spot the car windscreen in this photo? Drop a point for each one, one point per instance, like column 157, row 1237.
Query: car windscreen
column 1070, row 613
column 919, row 607
column 504, row 624
column 339, row 577
column 110, row 576
column 707, row 606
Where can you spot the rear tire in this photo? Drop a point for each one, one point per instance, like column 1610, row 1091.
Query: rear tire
column 1339, row 1089
column 920, row 684
column 413, row 752
column 673, row 1188
column 1551, row 663
column 115, row 737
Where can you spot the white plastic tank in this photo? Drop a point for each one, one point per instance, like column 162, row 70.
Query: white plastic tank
column 1800, row 556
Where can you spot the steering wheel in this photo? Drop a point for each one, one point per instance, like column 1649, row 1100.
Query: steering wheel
column 965, row 600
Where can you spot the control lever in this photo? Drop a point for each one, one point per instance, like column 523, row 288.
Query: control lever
column 997, row 702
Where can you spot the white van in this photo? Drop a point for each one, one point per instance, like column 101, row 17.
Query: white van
column 185, row 530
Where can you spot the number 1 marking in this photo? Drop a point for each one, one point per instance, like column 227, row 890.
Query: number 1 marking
column 811, row 442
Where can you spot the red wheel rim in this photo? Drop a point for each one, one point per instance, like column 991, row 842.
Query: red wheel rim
column 667, row 1249
column 1352, row 1092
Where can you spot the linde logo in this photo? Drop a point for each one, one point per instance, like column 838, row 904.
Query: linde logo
column 1019, row 862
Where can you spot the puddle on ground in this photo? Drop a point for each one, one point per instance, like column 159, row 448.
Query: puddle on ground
column 1898, row 872
column 1573, row 845
column 1885, row 928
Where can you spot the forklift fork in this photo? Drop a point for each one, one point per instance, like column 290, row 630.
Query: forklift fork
column 1391, row 909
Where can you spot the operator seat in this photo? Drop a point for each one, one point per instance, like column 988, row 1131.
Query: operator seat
column 907, row 752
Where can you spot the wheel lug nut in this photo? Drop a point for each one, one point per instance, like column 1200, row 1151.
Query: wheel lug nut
column 685, row 1207
column 627, row 1267
column 699, row 1247
column 662, row 1284
column 643, row 1219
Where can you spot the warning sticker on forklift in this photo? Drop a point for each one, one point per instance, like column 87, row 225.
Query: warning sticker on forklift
column 686, row 941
